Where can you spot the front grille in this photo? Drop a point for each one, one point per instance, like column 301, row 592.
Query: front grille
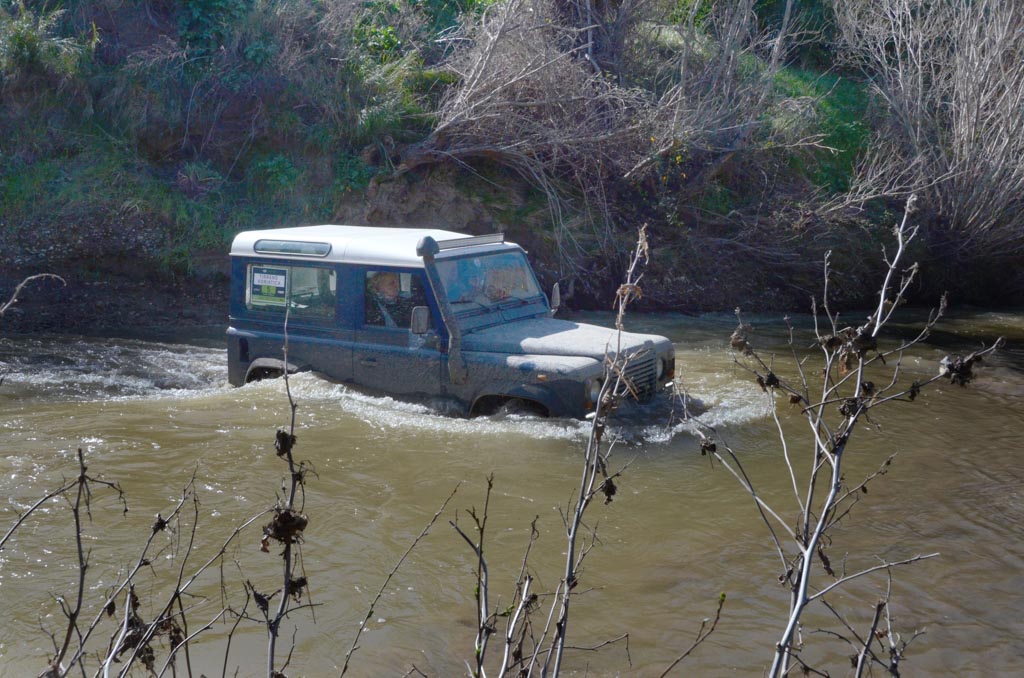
column 641, row 371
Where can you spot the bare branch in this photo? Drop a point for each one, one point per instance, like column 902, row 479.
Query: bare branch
column 391, row 574
column 702, row 635
column 21, row 286
column 876, row 568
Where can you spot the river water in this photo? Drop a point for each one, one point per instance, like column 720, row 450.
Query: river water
column 149, row 414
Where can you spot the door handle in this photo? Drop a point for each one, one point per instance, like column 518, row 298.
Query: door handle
column 368, row 362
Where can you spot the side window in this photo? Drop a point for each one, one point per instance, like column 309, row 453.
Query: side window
column 389, row 298
column 310, row 291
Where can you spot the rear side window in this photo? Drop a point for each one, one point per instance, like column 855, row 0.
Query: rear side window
column 309, row 291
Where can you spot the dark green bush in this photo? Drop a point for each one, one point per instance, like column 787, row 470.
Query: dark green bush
column 30, row 44
column 204, row 26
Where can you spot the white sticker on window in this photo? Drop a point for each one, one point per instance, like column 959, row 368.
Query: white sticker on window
column 269, row 286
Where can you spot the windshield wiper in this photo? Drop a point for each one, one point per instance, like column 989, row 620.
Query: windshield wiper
column 514, row 302
column 482, row 307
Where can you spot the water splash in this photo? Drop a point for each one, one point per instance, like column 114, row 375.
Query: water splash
column 386, row 413
column 75, row 368
column 78, row 369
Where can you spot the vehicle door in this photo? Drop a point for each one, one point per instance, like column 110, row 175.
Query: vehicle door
column 387, row 356
column 309, row 293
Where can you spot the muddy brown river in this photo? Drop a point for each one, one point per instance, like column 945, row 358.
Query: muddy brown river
column 151, row 413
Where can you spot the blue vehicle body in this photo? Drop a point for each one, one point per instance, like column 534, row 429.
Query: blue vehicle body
column 419, row 314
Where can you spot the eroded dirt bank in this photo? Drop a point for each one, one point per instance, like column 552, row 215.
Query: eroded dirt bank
column 108, row 304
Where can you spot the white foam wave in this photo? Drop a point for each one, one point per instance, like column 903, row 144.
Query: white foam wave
column 79, row 369
column 84, row 369
column 386, row 413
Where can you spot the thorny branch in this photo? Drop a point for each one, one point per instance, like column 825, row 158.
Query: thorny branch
column 549, row 643
column 288, row 524
column 595, row 477
column 848, row 353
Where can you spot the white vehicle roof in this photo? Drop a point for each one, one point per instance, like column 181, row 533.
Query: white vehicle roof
column 372, row 245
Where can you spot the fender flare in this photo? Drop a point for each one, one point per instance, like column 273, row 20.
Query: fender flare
column 269, row 364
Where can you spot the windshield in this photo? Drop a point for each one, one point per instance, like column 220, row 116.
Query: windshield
column 487, row 280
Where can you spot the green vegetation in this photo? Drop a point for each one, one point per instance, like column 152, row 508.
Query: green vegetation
column 31, row 44
column 192, row 119
column 838, row 106
column 205, row 26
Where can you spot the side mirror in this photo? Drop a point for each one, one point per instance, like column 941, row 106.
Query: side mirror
column 556, row 298
column 420, row 322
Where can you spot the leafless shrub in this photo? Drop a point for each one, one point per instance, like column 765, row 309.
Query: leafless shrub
column 568, row 96
column 527, row 99
column 134, row 639
column 858, row 374
column 950, row 74
column 603, row 30
column 720, row 98
column 159, row 641
column 285, row 530
column 595, row 479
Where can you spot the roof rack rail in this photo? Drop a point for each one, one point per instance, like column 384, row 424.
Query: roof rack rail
column 469, row 241
column 430, row 246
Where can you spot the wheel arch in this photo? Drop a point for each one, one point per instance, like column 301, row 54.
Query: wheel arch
column 269, row 368
column 539, row 400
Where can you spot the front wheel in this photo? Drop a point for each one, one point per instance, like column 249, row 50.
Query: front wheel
column 503, row 407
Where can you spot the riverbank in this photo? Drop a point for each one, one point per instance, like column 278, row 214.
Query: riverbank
column 110, row 305
column 135, row 138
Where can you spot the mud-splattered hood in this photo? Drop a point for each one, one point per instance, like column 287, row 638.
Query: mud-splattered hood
column 549, row 336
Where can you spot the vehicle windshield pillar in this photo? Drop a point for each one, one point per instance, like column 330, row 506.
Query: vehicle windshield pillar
column 457, row 370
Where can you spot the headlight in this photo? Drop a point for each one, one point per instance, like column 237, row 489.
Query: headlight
column 667, row 368
column 593, row 387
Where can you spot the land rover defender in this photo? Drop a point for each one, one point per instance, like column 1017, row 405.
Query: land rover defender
column 421, row 314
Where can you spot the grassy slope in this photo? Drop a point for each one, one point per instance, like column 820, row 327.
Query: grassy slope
column 168, row 132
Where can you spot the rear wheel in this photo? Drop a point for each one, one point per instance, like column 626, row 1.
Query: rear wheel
column 261, row 373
